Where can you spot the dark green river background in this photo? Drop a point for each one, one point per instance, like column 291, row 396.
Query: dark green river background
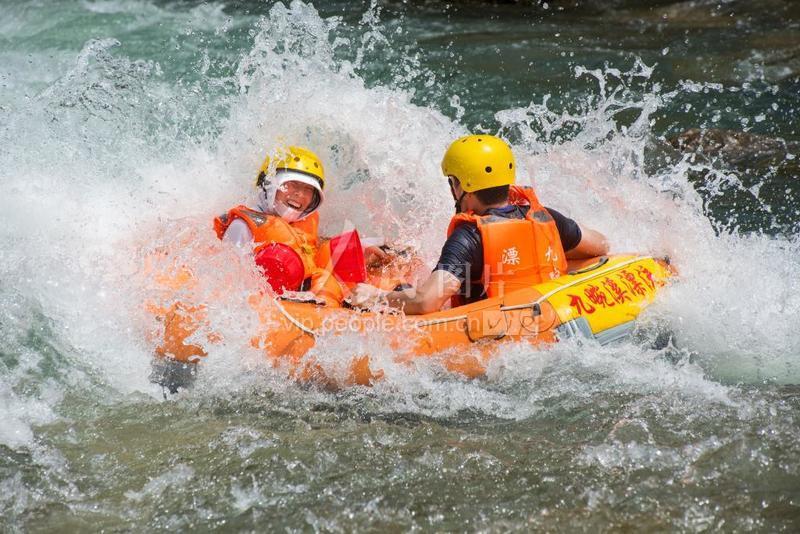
column 670, row 126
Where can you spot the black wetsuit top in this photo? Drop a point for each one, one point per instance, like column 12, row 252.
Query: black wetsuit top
column 462, row 253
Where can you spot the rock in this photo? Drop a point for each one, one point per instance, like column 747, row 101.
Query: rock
column 766, row 197
column 734, row 146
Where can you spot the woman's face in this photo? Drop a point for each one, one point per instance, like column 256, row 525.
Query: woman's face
column 296, row 195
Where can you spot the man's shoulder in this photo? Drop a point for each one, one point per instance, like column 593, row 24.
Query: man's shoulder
column 463, row 242
column 509, row 212
column 467, row 229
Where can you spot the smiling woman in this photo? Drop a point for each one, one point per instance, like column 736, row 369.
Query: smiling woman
column 126, row 125
column 296, row 195
column 283, row 231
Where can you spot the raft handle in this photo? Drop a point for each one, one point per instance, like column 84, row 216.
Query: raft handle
column 537, row 309
column 541, row 299
column 602, row 261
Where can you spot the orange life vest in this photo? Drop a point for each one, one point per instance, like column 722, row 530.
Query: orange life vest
column 517, row 253
column 301, row 236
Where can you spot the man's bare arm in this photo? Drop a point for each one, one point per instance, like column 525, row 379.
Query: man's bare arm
column 592, row 244
column 429, row 297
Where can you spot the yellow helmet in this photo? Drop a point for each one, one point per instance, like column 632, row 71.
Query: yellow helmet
column 297, row 159
column 479, row 162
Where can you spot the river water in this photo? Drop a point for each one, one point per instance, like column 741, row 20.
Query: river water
column 128, row 124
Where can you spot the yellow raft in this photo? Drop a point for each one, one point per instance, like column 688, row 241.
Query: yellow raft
column 599, row 299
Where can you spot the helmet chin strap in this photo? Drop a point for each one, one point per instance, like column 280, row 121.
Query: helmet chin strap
column 287, row 213
column 453, row 192
column 266, row 197
column 458, row 201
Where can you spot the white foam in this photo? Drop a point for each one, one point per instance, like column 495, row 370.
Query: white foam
column 104, row 166
column 179, row 475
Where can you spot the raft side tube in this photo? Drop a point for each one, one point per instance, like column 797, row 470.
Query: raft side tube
column 600, row 300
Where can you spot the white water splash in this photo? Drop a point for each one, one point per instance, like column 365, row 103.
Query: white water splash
column 102, row 162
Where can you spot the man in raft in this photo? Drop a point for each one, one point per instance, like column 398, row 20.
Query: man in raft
column 283, row 230
column 500, row 239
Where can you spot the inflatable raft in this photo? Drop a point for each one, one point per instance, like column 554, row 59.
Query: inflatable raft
column 599, row 299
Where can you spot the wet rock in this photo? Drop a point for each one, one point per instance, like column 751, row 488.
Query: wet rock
column 735, row 147
column 702, row 12
column 766, row 193
column 172, row 375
